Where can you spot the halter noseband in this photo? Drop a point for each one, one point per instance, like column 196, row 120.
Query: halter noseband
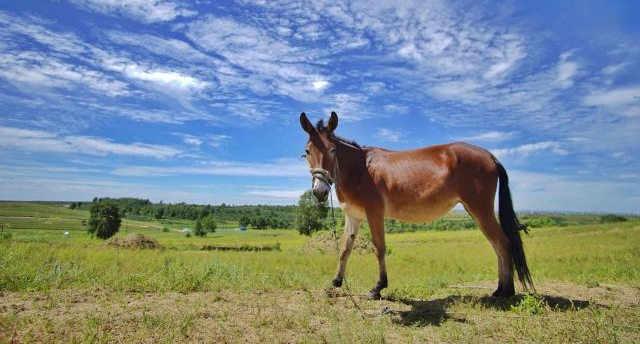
column 324, row 175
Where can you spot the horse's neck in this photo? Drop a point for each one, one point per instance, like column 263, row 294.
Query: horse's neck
column 351, row 165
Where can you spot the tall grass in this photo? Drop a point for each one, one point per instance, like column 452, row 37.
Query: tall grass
column 420, row 262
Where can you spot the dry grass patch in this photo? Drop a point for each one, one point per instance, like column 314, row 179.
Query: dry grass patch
column 135, row 241
column 326, row 243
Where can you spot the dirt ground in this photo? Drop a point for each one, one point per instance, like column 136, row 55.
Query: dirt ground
column 567, row 313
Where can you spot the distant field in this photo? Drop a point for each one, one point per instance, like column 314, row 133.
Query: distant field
column 77, row 289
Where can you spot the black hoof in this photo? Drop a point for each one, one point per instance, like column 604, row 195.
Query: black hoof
column 373, row 295
column 503, row 292
column 337, row 282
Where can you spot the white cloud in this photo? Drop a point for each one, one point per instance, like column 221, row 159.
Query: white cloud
column 290, row 194
column 389, row 135
column 167, row 80
column 489, row 136
column 38, row 70
column 614, row 68
column 219, row 168
column 162, row 46
column 544, row 191
column 349, row 106
column 566, row 70
column 525, row 150
column 320, row 85
column 614, row 98
column 395, row 108
column 507, row 58
column 192, row 141
column 214, row 140
column 42, row 141
column 56, row 40
column 263, row 63
column 217, row 140
column 147, row 11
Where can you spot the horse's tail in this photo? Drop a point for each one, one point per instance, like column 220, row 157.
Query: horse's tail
column 511, row 226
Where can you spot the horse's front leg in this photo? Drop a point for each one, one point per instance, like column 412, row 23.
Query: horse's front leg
column 376, row 224
column 351, row 227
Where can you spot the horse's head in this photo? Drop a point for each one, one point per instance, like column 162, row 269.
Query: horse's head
column 320, row 154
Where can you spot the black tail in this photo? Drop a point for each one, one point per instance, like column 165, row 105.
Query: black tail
column 511, row 227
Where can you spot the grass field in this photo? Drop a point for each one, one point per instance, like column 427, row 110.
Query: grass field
column 79, row 290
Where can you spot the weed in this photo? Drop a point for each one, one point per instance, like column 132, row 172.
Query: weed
column 531, row 304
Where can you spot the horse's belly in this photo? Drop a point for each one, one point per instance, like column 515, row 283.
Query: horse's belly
column 419, row 211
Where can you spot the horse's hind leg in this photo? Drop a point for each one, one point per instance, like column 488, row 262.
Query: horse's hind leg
column 376, row 224
column 485, row 218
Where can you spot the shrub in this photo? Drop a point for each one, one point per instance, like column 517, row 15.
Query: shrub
column 540, row 221
column 612, row 218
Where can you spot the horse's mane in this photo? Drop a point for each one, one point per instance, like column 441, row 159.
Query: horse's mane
column 320, row 127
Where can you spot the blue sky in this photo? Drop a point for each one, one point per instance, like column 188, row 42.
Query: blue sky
column 199, row 101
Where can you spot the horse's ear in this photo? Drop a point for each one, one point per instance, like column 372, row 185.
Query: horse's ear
column 333, row 122
column 306, row 124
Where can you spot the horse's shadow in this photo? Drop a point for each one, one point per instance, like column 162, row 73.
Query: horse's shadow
column 434, row 312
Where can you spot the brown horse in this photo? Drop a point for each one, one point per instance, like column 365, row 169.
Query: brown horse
column 417, row 186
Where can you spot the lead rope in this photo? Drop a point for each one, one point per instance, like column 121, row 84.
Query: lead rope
column 344, row 275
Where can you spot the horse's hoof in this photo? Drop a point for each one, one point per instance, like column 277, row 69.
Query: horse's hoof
column 337, row 283
column 501, row 293
column 373, row 295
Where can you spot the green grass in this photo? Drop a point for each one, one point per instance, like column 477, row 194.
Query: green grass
column 435, row 278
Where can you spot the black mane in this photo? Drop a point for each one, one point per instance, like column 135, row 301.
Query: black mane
column 321, row 128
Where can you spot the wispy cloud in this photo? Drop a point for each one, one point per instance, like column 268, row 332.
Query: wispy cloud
column 262, row 62
column 289, row 194
column 42, row 141
column 40, row 71
column 214, row 140
column 219, row 168
column 389, row 135
column 163, row 79
column 525, row 150
column 489, row 136
column 566, row 70
column 148, row 11
column 624, row 100
column 544, row 191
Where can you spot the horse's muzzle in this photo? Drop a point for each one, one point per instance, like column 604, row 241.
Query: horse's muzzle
column 321, row 194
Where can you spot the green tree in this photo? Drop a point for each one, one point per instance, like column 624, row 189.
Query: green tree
column 104, row 219
column 209, row 224
column 245, row 221
column 205, row 225
column 200, row 229
column 311, row 214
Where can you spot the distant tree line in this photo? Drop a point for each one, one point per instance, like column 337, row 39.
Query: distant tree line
column 255, row 216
